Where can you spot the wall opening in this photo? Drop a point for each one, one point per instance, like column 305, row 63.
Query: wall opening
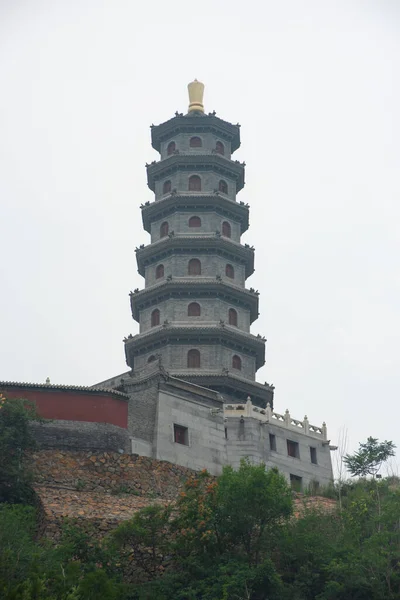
column 296, row 482
column 195, row 142
column 230, row 271
column 293, row 449
column 181, row 435
column 194, row 222
column 159, row 271
column 313, row 455
column 194, row 309
column 155, row 317
column 194, row 267
column 194, row 183
column 171, row 148
column 193, row 359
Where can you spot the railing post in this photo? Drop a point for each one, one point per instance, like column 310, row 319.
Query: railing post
column 287, row 417
column 306, row 425
column 249, row 407
column 324, row 431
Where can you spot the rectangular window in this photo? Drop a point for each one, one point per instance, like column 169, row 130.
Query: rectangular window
column 226, row 433
column 272, row 442
column 295, row 483
column 293, row 449
column 313, row 455
column 181, row 435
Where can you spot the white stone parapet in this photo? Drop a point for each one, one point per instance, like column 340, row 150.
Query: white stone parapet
column 267, row 415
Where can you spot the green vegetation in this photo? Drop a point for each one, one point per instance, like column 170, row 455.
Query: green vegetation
column 15, row 440
column 231, row 538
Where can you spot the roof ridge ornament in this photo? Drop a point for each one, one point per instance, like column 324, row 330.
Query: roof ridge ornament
column 196, row 91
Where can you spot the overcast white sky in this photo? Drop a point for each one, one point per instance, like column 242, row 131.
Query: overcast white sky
column 315, row 86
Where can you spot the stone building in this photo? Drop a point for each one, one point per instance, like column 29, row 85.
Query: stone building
column 193, row 396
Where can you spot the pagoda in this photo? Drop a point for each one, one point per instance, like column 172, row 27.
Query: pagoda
column 195, row 311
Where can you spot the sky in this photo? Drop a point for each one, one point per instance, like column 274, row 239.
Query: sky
column 315, row 87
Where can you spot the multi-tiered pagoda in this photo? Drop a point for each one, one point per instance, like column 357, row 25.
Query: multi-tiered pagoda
column 195, row 312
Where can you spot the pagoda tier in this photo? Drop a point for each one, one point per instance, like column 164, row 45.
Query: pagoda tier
column 198, row 244
column 185, row 162
column 191, row 124
column 217, row 202
column 185, row 288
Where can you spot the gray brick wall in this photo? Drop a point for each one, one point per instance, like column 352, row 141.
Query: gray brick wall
column 210, row 223
column 81, row 435
column 211, row 265
column 212, row 310
column 209, row 182
column 182, row 144
column 206, row 433
column 143, row 400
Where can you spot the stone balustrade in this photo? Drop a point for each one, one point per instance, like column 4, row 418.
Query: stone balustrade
column 267, row 415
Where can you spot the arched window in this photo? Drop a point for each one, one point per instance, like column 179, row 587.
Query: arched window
column 194, row 222
column 171, row 148
column 220, row 148
column 195, row 142
column 223, row 186
column 230, row 271
column 164, row 228
column 193, row 359
column 194, row 309
column 155, row 317
column 236, row 362
column 194, row 267
column 151, row 358
column 226, row 229
column 194, row 183
column 166, row 187
column 232, row 317
column 159, row 271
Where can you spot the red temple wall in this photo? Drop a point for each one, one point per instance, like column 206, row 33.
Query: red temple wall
column 73, row 405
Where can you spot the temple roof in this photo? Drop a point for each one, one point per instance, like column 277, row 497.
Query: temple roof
column 62, row 388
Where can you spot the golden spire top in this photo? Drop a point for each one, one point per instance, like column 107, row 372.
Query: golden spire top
column 196, row 91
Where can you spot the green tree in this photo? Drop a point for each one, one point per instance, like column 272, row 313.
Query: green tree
column 219, row 537
column 370, row 457
column 15, row 440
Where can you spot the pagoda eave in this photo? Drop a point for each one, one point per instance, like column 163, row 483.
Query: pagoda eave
column 191, row 288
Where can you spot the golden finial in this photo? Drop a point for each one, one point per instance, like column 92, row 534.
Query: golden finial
column 196, row 91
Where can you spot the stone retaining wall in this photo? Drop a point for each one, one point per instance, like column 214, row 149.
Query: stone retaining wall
column 99, row 490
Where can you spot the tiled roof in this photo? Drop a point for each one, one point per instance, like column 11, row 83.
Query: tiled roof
column 50, row 386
